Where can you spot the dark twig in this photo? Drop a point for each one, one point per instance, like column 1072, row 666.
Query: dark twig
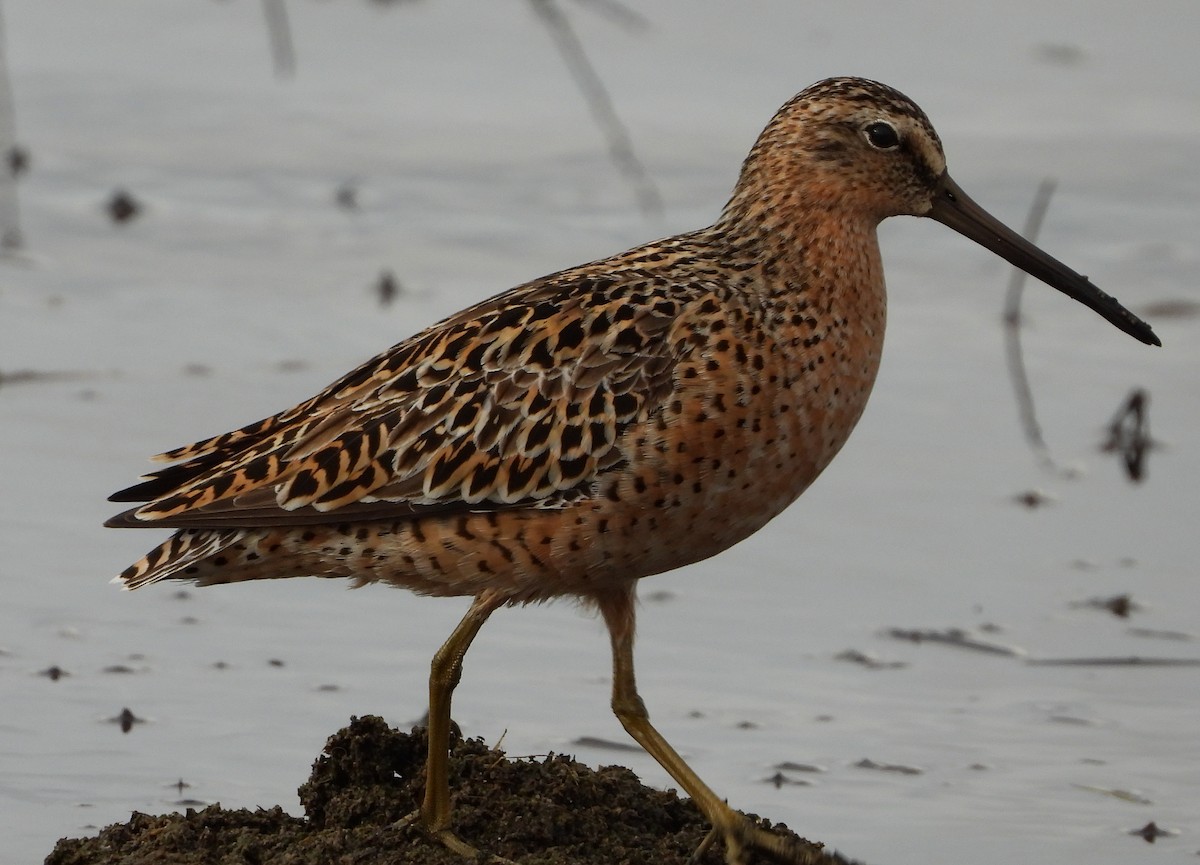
column 620, row 147
column 1012, row 327
column 1129, row 434
column 279, row 29
column 952, row 637
column 10, row 211
column 1116, row 661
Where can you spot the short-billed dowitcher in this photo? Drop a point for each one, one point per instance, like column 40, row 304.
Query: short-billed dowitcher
column 601, row 424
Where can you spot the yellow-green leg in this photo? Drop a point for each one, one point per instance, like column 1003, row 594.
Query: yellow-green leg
column 739, row 834
column 445, row 672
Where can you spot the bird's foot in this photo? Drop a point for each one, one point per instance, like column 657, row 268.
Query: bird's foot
column 450, row 841
column 742, row 835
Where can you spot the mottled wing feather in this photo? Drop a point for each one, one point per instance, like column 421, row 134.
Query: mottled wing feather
column 521, row 399
column 176, row 554
column 217, row 444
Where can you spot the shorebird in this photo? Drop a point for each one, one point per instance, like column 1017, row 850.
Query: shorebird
column 599, row 425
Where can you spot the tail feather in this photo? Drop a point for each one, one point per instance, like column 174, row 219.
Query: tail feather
column 172, row 559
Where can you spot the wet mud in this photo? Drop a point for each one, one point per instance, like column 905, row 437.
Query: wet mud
column 537, row 811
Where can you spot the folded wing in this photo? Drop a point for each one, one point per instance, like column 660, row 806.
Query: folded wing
column 518, row 401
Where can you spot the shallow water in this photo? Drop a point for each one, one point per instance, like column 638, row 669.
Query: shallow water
column 243, row 288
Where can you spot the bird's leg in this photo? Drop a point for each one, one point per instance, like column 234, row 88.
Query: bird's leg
column 739, row 834
column 445, row 672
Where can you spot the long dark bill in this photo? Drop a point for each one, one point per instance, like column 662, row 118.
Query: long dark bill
column 953, row 207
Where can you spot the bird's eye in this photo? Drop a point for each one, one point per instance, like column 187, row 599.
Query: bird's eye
column 882, row 135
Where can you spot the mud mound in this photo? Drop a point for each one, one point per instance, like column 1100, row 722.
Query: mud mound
column 540, row 812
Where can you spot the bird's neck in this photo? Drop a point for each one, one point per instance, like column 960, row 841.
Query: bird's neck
column 819, row 281
column 807, row 247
